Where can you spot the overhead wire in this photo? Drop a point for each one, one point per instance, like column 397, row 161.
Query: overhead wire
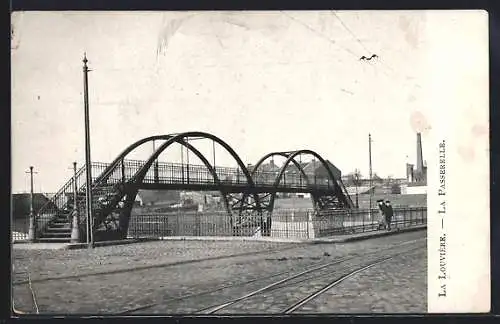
column 350, row 32
column 320, row 34
column 356, row 38
column 384, row 64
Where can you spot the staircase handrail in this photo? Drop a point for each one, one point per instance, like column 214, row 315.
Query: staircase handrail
column 60, row 192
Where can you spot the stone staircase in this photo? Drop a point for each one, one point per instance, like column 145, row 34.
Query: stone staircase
column 58, row 230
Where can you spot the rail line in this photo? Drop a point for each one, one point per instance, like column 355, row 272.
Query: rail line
column 331, row 285
column 161, row 265
column 314, row 268
column 206, row 292
column 279, row 284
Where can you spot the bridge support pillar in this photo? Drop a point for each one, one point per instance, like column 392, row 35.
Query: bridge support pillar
column 125, row 214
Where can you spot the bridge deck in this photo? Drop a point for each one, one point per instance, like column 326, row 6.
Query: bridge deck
column 233, row 188
column 198, row 177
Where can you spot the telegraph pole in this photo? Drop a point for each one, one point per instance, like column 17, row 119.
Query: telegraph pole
column 32, row 228
column 370, row 161
column 88, row 167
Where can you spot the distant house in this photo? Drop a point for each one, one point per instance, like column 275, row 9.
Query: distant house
column 267, row 172
column 316, row 168
column 293, row 170
column 270, row 170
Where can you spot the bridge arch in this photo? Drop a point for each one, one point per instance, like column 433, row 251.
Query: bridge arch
column 112, row 166
column 179, row 138
column 282, row 154
column 345, row 201
column 130, row 197
column 170, row 139
column 291, row 158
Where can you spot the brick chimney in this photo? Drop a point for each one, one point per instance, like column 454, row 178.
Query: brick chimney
column 420, row 160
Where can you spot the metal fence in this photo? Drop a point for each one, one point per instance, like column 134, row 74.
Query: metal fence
column 284, row 224
column 19, row 229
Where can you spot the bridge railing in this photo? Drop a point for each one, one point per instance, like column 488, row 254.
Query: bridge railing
column 299, row 224
column 173, row 173
column 169, row 173
column 58, row 202
column 366, row 220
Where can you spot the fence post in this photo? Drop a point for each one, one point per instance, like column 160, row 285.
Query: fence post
column 286, row 224
column 197, row 220
column 307, row 225
column 363, row 219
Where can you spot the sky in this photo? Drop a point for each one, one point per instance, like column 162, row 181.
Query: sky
column 261, row 81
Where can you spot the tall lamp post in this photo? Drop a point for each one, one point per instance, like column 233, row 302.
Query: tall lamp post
column 370, row 158
column 32, row 224
column 88, row 166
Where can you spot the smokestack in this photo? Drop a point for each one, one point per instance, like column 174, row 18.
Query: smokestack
column 409, row 172
column 420, row 160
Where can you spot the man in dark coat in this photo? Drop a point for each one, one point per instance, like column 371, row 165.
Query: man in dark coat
column 382, row 214
column 389, row 212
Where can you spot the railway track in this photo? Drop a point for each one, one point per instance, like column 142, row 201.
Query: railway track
column 330, row 285
column 27, row 289
column 282, row 283
column 282, row 296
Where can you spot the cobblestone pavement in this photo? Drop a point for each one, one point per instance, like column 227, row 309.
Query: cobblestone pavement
column 396, row 286
column 164, row 282
column 45, row 264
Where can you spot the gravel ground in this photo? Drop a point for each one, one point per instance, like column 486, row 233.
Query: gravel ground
column 162, row 280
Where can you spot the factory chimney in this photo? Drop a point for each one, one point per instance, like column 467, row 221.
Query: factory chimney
column 420, row 159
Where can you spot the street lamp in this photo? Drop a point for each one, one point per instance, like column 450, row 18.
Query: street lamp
column 88, row 167
column 371, row 175
column 32, row 220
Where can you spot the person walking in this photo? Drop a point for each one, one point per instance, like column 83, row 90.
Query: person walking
column 389, row 213
column 381, row 212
